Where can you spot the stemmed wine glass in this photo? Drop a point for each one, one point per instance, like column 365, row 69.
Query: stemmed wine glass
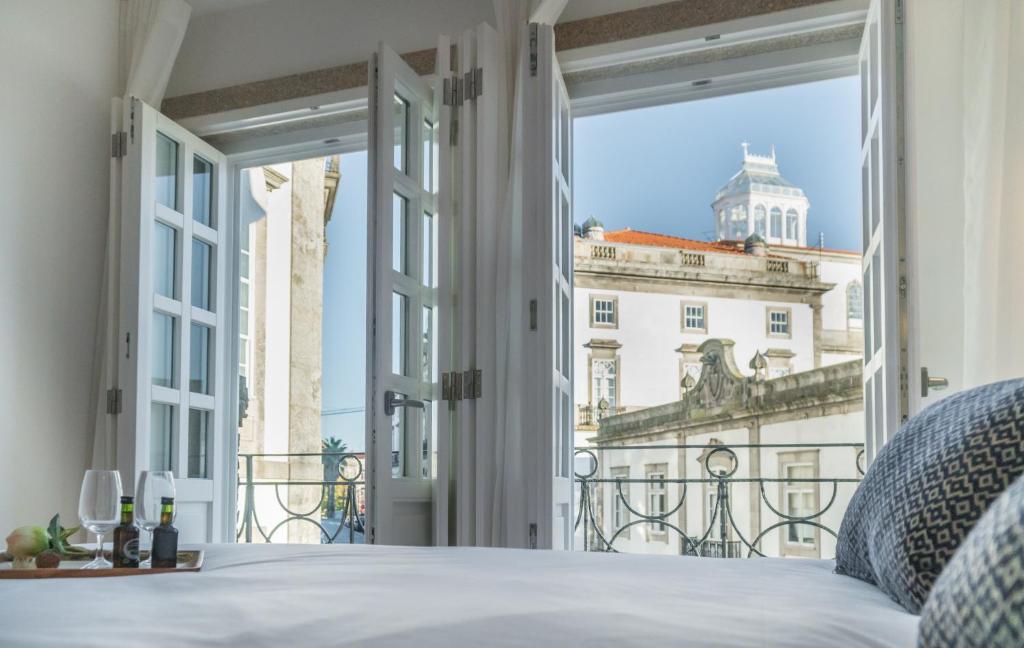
column 153, row 485
column 99, row 509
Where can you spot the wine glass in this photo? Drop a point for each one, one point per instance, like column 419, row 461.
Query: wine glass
column 99, row 508
column 153, row 485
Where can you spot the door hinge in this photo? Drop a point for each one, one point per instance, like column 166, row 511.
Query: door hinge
column 451, row 387
column 903, row 287
column 899, row 12
column 472, row 379
column 115, row 401
column 533, row 535
column 533, row 314
column 453, row 90
column 473, row 82
column 533, row 49
column 118, row 144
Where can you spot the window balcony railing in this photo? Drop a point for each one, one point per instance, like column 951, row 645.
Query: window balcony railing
column 728, row 500
column 590, row 415
column 331, row 508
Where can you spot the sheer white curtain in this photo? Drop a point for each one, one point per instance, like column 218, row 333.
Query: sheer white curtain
column 151, row 32
column 993, row 140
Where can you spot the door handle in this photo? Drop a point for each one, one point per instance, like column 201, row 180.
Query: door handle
column 392, row 401
column 931, row 382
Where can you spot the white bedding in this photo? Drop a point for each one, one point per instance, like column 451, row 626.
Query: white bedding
column 295, row 595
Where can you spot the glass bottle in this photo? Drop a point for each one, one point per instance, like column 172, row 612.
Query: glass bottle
column 126, row 536
column 165, row 537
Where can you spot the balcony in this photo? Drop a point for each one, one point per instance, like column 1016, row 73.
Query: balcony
column 588, row 416
column 744, row 500
column 282, row 508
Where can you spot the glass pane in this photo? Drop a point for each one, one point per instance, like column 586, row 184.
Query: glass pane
column 399, row 333
column 165, row 247
column 401, row 116
column 428, row 342
column 398, row 441
column 198, row 443
column 166, row 187
column 202, row 191
column 202, row 256
column 429, row 161
column 399, row 233
column 164, row 350
column 428, row 251
column 199, row 361
column 161, row 437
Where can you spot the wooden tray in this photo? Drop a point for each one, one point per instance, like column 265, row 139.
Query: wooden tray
column 188, row 561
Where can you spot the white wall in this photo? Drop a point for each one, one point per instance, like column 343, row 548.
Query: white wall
column 833, row 311
column 280, row 37
column 59, row 72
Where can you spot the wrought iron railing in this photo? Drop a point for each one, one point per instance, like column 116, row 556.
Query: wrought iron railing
column 592, row 414
column 713, row 537
column 344, row 482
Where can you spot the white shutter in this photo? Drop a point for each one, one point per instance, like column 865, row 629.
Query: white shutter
column 885, row 350
column 402, row 317
column 175, row 318
column 548, row 263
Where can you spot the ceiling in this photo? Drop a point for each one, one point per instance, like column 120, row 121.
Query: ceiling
column 574, row 10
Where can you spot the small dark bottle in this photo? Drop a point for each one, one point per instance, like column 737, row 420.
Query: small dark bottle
column 126, row 536
column 165, row 537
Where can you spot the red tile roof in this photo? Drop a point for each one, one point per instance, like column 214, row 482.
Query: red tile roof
column 637, row 237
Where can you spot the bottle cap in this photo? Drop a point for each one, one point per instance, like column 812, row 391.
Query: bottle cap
column 167, row 500
column 127, row 499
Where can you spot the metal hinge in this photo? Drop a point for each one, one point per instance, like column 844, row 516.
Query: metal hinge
column 533, row 535
column 473, row 384
column 473, row 81
column 115, row 401
column 118, row 144
column 451, row 387
column 453, row 90
column 903, row 287
column 899, row 12
column 533, row 314
column 533, row 49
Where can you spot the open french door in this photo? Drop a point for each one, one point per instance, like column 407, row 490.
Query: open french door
column 403, row 296
column 547, row 191
column 886, row 383
column 174, row 317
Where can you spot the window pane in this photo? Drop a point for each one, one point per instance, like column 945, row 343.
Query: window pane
column 398, row 429
column 161, row 437
column 202, row 191
column 428, row 250
column 165, row 247
column 198, row 443
column 399, row 234
column 429, row 156
column 166, row 188
column 401, row 116
column 399, row 333
column 164, row 350
column 428, row 344
column 202, row 256
column 199, row 360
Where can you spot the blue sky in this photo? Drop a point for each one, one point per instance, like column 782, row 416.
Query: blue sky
column 655, row 169
column 658, row 169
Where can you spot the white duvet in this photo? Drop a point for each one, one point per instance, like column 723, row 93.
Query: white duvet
column 298, row 595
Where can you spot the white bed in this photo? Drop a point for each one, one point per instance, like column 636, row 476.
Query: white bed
column 295, row 595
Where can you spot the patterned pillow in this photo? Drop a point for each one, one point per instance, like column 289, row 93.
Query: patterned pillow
column 978, row 599
column 928, row 486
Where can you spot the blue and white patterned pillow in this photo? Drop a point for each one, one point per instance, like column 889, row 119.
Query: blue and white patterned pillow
column 928, row 487
column 978, row 599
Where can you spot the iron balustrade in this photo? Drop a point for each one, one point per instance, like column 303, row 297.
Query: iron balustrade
column 705, row 542
column 349, row 477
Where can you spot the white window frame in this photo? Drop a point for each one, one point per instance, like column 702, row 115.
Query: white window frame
column 602, row 317
column 771, row 325
column 619, row 512
column 703, row 317
column 656, row 531
column 792, row 460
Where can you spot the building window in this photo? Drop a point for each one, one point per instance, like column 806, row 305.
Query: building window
column 657, row 500
column 738, row 214
column 244, row 305
column 776, row 223
column 760, row 218
column 855, row 305
column 799, row 499
column 791, row 224
column 604, row 312
column 620, row 495
column 604, row 386
column 779, row 322
column 695, row 317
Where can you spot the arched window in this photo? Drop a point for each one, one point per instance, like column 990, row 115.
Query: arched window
column 854, row 305
column 776, row 223
column 791, row 224
column 738, row 215
column 760, row 218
